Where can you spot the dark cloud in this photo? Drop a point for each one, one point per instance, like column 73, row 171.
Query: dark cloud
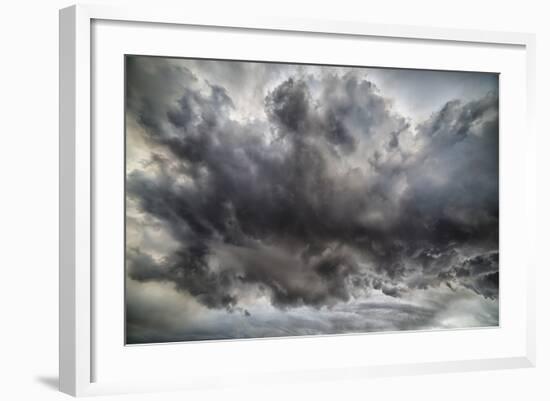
column 332, row 195
column 480, row 273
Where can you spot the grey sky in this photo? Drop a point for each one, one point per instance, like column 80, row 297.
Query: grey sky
column 274, row 199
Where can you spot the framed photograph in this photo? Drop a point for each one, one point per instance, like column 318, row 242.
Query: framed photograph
column 275, row 200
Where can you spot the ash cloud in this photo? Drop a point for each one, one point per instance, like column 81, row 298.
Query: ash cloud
column 327, row 198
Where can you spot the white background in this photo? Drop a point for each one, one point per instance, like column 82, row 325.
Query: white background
column 28, row 199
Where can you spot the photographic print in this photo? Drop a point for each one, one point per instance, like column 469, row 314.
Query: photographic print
column 269, row 199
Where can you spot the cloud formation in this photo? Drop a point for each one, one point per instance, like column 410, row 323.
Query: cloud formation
column 319, row 201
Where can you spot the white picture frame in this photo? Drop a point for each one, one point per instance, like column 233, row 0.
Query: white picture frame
column 79, row 153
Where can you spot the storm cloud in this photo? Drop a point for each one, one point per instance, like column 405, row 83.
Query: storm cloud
column 318, row 209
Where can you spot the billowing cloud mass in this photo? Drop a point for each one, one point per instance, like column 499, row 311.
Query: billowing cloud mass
column 273, row 199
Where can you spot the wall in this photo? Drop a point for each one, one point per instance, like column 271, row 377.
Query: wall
column 28, row 200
